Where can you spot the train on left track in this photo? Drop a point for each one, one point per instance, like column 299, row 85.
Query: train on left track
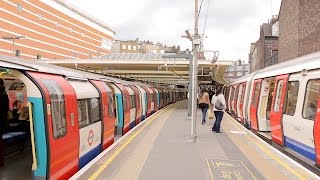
column 71, row 116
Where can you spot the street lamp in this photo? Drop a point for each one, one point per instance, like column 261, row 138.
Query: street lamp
column 13, row 38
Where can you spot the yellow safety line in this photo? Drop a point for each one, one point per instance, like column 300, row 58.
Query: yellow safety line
column 248, row 170
column 210, row 169
column 118, row 151
column 282, row 163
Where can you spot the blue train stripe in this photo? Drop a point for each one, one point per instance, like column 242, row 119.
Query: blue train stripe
column 86, row 158
column 39, row 136
column 300, row 148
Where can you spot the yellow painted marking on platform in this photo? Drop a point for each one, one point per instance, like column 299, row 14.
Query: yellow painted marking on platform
column 210, row 169
column 248, row 170
column 118, row 151
column 282, row 163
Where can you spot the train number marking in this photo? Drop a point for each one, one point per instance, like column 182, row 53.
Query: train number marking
column 90, row 138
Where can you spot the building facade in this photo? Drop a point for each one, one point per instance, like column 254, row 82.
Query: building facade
column 264, row 52
column 136, row 46
column 299, row 32
column 236, row 70
column 51, row 29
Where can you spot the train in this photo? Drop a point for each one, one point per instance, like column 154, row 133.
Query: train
column 75, row 115
column 281, row 104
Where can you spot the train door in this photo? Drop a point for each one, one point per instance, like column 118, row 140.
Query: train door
column 125, row 108
column 300, row 129
column 254, row 104
column 138, row 103
column 148, row 100
column 264, row 105
column 62, row 130
column 90, row 117
column 235, row 99
column 240, row 91
column 230, row 98
column 143, row 102
column 133, row 109
column 155, row 99
column 119, row 110
column 25, row 131
column 316, row 133
column 241, row 101
column 107, row 111
column 277, row 109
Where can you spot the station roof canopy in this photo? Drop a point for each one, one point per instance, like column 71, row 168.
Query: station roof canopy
column 166, row 68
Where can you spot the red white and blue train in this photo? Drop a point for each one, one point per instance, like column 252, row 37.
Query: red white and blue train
column 281, row 103
column 75, row 115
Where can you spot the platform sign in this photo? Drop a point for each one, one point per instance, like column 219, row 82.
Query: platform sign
column 229, row 169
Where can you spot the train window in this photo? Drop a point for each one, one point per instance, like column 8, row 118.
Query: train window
column 95, row 114
column 256, row 94
column 311, row 99
column 278, row 96
column 111, row 104
column 292, row 97
column 124, row 103
column 58, row 111
column 132, row 101
column 243, row 93
column 83, row 113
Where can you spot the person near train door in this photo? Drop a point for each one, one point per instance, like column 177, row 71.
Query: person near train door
column 4, row 107
column 219, row 105
column 204, row 104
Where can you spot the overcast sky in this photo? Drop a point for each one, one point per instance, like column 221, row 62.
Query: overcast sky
column 231, row 24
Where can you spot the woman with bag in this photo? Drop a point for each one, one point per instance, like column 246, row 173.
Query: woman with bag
column 204, row 103
column 219, row 105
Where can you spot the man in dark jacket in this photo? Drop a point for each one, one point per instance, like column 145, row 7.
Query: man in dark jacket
column 4, row 107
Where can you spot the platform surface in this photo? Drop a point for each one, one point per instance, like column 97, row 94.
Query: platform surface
column 161, row 149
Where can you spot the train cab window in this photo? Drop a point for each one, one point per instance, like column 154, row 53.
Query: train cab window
column 58, row 112
column 311, row 99
column 278, row 96
column 292, row 97
column 17, row 86
column 95, row 114
column 111, row 104
column 83, row 113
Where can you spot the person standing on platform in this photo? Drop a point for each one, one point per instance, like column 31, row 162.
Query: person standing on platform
column 219, row 105
column 4, row 107
column 204, row 103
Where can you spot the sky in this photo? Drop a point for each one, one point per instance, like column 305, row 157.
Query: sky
column 231, row 26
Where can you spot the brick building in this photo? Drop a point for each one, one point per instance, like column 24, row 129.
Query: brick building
column 236, row 70
column 299, row 32
column 52, row 29
column 264, row 52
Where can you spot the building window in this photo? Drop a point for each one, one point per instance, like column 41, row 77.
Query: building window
column 124, row 46
column 292, row 97
column 139, row 47
column 134, row 48
column 239, row 74
column 106, row 44
column 19, row 7
column 311, row 99
column 129, row 47
column 40, row 17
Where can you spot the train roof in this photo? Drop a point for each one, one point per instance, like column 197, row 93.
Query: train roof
column 30, row 65
column 308, row 62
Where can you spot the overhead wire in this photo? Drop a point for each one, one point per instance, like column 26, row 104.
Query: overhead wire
column 199, row 12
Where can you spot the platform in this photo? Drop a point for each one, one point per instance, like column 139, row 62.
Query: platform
column 161, row 148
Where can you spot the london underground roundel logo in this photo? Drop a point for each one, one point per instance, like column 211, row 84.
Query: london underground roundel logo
column 90, row 137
